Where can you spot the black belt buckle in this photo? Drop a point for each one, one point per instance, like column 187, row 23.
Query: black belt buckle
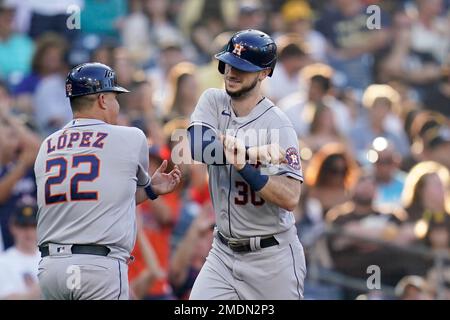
column 234, row 244
column 238, row 246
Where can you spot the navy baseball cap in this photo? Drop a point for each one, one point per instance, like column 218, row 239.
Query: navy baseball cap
column 24, row 216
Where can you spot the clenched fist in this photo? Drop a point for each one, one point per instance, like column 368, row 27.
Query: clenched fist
column 234, row 150
column 267, row 154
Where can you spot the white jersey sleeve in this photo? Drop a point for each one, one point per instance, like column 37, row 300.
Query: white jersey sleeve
column 143, row 178
column 288, row 141
column 206, row 111
column 283, row 133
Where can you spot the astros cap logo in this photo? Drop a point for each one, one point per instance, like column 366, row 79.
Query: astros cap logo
column 238, row 48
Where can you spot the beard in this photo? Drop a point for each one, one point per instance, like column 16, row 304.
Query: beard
column 243, row 92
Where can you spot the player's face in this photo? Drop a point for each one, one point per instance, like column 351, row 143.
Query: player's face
column 112, row 107
column 239, row 84
column 24, row 236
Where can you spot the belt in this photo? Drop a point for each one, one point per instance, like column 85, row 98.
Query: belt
column 97, row 250
column 244, row 245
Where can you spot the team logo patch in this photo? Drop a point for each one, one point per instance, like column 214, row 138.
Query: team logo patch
column 238, row 48
column 293, row 158
column 69, row 89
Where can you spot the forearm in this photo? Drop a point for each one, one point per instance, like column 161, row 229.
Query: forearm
column 148, row 253
column 31, row 138
column 205, row 146
column 141, row 283
column 162, row 212
column 140, row 196
column 282, row 191
column 8, row 182
column 182, row 257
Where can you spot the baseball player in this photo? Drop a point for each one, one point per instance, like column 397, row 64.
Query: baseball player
column 256, row 253
column 90, row 176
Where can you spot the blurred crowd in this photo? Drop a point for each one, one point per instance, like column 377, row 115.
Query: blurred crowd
column 370, row 103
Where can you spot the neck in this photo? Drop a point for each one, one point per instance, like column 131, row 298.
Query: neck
column 362, row 208
column 376, row 126
column 243, row 106
column 25, row 249
column 89, row 115
column 426, row 19
column 158, row 19
column 186, row 107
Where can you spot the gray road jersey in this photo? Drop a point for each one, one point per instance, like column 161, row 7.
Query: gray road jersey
column 240, row 212
column 86, row 175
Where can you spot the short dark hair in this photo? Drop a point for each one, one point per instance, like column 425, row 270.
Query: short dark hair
column 290, row 50
column 82, row 102
column 322, row 81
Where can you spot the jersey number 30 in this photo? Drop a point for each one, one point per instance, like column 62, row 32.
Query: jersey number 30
column 243, row 195
column 59, row 178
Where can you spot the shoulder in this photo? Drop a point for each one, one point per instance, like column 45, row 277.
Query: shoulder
column 53, row 135
column 279, row 118
column 293, row 101
column 214, row 94
column 126, row 130
column 22, row 40
column 127, row 133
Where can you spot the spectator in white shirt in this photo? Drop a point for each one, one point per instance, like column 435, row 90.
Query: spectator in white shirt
column 319, row 88
column 292, row 57
column 19, row 264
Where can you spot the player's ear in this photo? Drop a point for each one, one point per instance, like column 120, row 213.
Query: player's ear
column 263, row 74
column 102, row 101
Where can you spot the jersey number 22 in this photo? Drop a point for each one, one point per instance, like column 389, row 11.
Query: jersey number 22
column 59, row 178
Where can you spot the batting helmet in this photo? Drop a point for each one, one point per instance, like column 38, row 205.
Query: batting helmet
column 90, row 78
column 250, row 51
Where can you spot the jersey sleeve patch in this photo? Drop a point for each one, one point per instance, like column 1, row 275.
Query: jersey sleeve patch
column 293, row 158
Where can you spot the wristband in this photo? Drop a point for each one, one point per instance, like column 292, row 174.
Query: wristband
column 253, row 177
column 150, row 193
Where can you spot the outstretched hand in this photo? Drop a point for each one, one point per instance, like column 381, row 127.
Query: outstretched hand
column 163, row 183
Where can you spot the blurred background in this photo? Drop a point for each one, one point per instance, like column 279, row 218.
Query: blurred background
column 368, row 95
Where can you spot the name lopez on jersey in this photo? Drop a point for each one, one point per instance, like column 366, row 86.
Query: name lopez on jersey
column 83, row 139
